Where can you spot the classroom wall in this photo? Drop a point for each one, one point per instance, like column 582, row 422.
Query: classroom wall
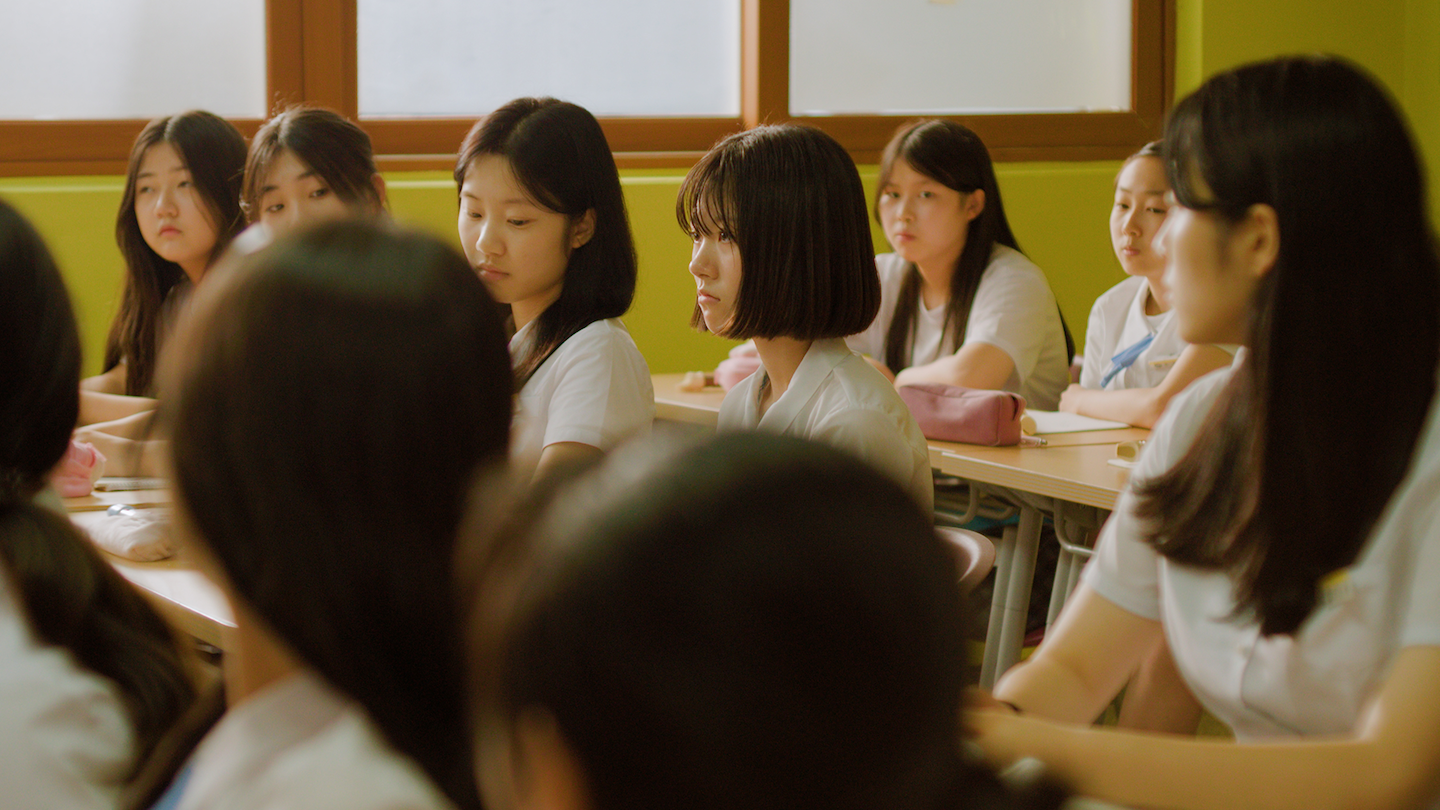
column 1058, row 210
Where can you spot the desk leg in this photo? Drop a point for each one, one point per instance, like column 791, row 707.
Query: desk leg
column 1011, row 602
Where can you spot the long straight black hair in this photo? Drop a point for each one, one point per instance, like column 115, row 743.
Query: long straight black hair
column 329, row 399
column 214, row 152
column 1284, row 482
column 560, row 156
column 955, row 157
column 70, row 596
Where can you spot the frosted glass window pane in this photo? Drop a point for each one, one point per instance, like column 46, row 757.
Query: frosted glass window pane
column 131, row 58
column 959, row 56
column 466, row 57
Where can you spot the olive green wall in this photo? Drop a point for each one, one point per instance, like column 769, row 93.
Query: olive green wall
column 1058, row 210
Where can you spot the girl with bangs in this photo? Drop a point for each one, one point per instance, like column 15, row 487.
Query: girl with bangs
column 960, row 304
column 782, row 256
column 542, row 220
column 1285, row 545
column 309, row 164
column 178, row 213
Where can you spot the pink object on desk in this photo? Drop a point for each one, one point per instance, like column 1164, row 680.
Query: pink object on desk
column 952, row 413
column 78, row 470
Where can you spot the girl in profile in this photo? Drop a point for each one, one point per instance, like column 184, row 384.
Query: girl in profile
column 321, row 481
column 634, row 653
column 179, row 211
column 782, row 255
column 960, row 304
column 90, row 675
column 1285, row 545
column 542, row 220
column 308, row 164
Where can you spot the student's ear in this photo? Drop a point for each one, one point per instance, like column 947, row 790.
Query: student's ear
column 583, row 229
column 549, row 776
column 1256, row 239
column 974, row 204
column 379, row 183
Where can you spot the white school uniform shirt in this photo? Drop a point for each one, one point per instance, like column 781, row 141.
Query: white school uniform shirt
column 299, row 744
column 1117, row 322
column 839, row 399
column 65, row 737
column 1316, row 681
column 594, row 389
column 1014, row 310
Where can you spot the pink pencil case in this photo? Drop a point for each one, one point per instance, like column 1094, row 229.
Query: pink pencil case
column 951, row 413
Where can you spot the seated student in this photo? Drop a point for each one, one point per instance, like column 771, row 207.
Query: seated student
column 542, row 220
column 960, row 304
column 633, row 652
column 782, row 255
column 90, row 675
column 307, row 164
column 179, row 211
column 321, row 481
column 1135, row 360
column 1283, row 538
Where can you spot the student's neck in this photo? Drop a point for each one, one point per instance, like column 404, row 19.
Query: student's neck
column 935, row 278
column 254, row 659
column 1157, row 296
column 528, row 310
column 781, row 357
column 195, row 270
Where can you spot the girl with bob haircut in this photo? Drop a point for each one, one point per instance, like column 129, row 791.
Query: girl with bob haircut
column 178, row 213
column 782, row 255
column 634, row 653
column 307, row 164
column 322, row 482
column 1287, row 549
column 960, row 304
column 542, row 220
column 90, row 673
column 1135, row 361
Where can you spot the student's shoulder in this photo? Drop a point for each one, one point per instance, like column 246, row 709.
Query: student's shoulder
column 607, row 337
column 1119, row 297
column 1009, row 267
column 1176, row 430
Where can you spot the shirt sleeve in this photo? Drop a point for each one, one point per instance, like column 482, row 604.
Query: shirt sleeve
column 1126, row 569
column 1094, row 370
column 602, row 394
column 873, row 437
column 1012, row 311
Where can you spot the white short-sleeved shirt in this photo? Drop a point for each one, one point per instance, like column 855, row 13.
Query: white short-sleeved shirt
column 1014, row 310
column 839, row 399
column 1117, row 322
column 65, row 737
column 299, row 744
column 1318, row 680
column 594, row 389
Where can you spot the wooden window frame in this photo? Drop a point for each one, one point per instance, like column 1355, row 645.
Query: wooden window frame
column 311, row 57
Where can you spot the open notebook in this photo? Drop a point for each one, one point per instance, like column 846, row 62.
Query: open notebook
column 1039, row 423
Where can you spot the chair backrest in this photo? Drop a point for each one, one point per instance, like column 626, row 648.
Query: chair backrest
column 974, row 554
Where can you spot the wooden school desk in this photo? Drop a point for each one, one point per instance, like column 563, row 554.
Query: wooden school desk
column 1069, row 480
column 182, row 594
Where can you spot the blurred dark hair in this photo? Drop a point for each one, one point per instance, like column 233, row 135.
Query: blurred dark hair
column 331, row 397
column 760, row 622
column 953, row 156
column 335, row 147
column 70, row 596
column 214, row 152
column 560, row 156
column 1283, row 483
column 791, row 198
